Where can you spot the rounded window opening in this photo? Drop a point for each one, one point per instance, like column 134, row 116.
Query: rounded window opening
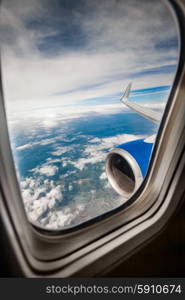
column 79, row 80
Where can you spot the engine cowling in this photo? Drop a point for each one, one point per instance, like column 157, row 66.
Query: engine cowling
column 127, row 164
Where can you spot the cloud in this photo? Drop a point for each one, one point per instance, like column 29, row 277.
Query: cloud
column 43, row 142
column 62, row 218
column 103, row 176
column 48, row 60
column 26, row 146
column 80, row 164
column 47, row 170
column 32, row 120
column 96, row 150
column 39, row 196
column 59, row 150
column 52, row 161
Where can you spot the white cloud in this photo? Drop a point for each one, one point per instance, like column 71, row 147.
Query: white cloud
column 48, row 170
column 23, row 147
column 39, row 196
column 97, row 149
column 61, row 150
column 43, row 142
column 61, row 218
column 34, row 119
column 57, row 219
column 53, row 160
column 109, row 142
column 80, row 164
column 103, row 176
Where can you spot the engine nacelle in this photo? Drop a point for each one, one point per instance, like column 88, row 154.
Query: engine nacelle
column 127, row 164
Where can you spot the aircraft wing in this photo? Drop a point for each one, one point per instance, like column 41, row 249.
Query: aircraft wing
column 144, row 111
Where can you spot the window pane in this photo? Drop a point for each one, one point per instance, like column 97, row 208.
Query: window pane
column 66, row 65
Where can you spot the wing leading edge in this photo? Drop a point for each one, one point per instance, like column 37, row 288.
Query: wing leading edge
column 144, row 111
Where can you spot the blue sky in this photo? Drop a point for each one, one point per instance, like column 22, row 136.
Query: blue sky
column 67, row 52
column 150, row 95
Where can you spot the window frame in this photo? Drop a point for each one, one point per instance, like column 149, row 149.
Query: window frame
column 114, row 235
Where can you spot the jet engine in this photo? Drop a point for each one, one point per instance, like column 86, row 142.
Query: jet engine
column 127, row 164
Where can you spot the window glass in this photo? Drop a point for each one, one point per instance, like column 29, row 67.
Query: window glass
column 78, row 150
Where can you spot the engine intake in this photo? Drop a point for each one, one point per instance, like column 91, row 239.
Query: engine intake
column 123, row 172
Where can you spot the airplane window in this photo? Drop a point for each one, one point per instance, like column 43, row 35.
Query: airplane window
column 85, row 85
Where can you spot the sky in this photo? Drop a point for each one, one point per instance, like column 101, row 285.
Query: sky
column 68, row 52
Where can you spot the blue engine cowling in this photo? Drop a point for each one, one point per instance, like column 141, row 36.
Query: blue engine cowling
column 127, row 164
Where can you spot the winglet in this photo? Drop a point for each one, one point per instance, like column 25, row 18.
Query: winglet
column 125, row 96
column 144, row 111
